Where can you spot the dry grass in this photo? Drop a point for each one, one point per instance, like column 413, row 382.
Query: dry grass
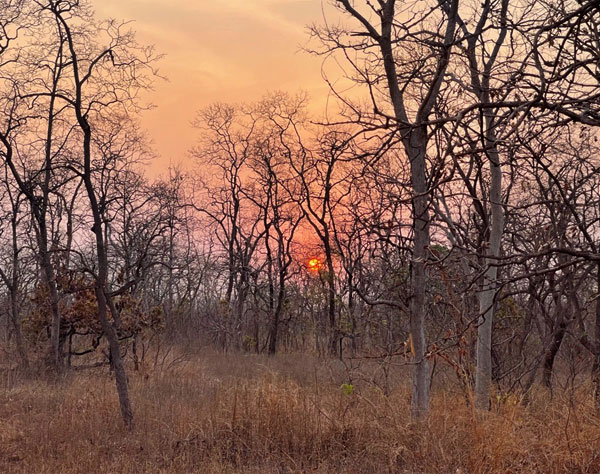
column 230, row 414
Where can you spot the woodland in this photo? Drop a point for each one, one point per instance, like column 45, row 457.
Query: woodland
column 406, row 282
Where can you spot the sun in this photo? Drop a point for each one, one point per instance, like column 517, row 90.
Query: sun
column 314, row 264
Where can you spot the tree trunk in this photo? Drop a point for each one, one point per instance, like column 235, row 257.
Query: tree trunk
column 421, row 375
column 16, row 323
column 55, row 356
column 483, row 375
column 115, row 355
column 170, row 282
column 102, row 295
column 14, row 296
column 596, row 364
column 557, row 338
column 334, row 334
column 277, row 313
column 273, row 330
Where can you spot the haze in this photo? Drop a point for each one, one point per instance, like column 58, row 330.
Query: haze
column 400, row 274
column 217, row 51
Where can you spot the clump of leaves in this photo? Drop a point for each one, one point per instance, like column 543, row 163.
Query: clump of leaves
column 79, row 312
column 347, row 389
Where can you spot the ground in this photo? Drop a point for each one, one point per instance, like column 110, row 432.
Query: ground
column 233, row 413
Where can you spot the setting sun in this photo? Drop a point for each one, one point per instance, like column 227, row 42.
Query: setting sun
column 314, row 264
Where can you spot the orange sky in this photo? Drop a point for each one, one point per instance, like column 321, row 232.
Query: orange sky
column 218, row 50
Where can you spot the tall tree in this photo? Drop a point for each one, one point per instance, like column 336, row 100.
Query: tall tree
column 104, row 82
column 404, row 78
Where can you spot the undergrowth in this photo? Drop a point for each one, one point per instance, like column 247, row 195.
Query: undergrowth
column 290, row 414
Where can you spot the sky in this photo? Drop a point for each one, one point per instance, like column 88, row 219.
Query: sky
column 217, row 51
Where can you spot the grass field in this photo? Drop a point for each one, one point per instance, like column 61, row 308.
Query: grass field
column 219, row 413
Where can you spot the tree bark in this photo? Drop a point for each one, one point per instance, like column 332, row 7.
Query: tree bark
column 596, row 364
column 421, row 223
column 54, row 357
column 552, row 351
column 14, row 294
column 334, row 333
column 483, row 375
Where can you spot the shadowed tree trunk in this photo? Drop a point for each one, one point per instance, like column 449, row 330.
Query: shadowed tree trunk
column 483, row 376
column 421, row 223
column 413, row 131
column 12, row 282
column 101, row 284
column 596, row 364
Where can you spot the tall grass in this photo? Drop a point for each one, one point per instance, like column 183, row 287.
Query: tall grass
column 290, row 414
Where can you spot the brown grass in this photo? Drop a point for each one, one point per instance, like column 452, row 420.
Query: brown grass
column 234, row 413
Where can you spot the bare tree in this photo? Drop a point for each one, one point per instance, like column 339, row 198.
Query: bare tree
column 273, row 193
column 10, row 271
column 226, row 151
column 103, row 85
column 404, row 78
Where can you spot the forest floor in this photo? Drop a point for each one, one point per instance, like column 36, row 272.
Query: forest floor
column 222, row 413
